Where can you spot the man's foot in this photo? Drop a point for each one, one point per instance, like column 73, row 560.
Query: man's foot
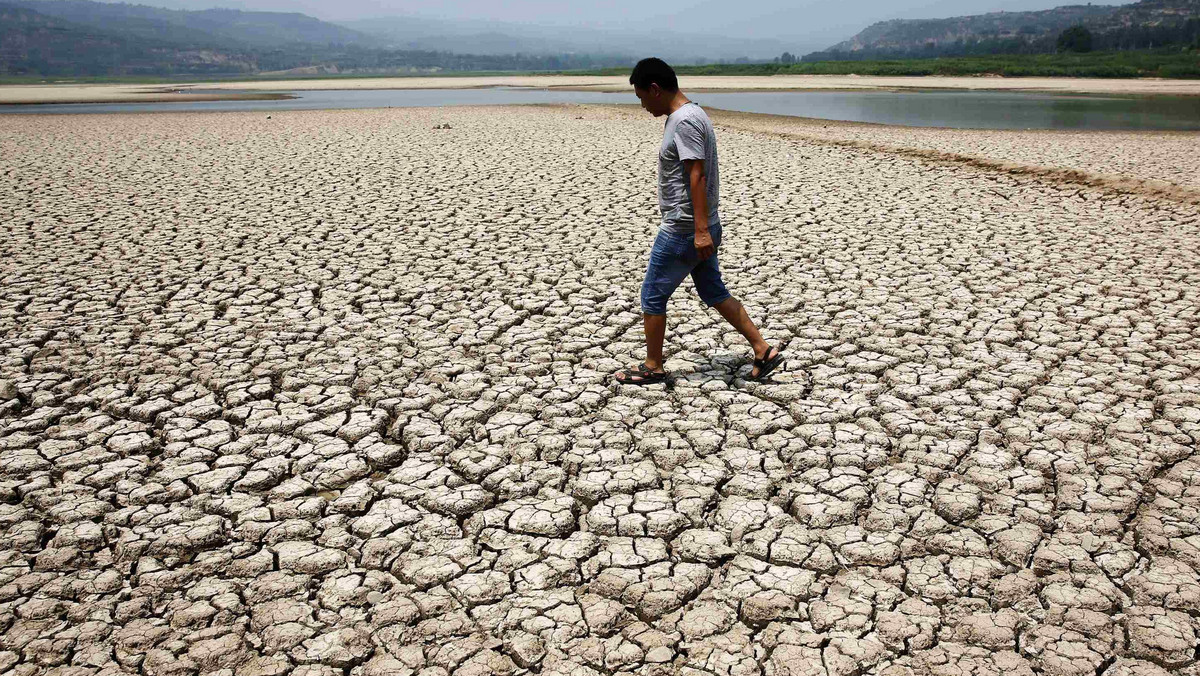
column 771, row 358
column 641, row 375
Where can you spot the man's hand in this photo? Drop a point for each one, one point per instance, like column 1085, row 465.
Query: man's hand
column 704, row 244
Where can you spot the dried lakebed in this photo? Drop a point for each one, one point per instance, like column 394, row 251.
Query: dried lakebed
column 328, row 393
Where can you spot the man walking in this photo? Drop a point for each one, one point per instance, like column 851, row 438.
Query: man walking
column 690, row 234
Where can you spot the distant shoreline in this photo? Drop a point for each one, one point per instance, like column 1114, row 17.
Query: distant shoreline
column 164, row 95
column 276, row 89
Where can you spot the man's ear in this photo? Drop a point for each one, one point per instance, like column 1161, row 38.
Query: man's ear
column 655, row 90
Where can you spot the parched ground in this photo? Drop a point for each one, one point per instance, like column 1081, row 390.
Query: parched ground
column 328, row 393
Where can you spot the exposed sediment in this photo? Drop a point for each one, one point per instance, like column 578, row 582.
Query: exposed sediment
column 127, row 93
column 1160, row 164
column 330, row 393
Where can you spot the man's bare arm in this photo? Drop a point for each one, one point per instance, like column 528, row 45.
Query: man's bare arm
column 698, row 186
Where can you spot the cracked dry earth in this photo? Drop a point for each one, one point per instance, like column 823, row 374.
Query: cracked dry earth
column 329, row 394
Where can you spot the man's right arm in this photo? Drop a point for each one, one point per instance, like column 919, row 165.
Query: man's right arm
column 698, row 187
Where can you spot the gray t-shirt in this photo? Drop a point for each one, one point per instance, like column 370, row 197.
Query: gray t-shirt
column 688, row 135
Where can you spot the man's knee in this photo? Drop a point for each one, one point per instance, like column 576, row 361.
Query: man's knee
column 722, row 302
column 712, row 290
column 653, row 301
column 727, row 303
column 656, row 308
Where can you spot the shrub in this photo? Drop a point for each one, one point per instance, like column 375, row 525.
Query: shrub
column 1075, row 39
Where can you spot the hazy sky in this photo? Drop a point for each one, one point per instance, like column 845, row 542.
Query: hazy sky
column 744, row 18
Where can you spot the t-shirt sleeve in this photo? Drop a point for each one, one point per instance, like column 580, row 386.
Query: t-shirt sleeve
column 689, row 140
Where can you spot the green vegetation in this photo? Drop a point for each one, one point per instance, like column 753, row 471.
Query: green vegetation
column 1146, row 63
column 210, row 27
column 1147, row 24
column 1168, row 63
column 1075, row 39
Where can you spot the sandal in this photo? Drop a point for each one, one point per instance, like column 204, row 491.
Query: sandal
column 766, row 364
column 643, row 374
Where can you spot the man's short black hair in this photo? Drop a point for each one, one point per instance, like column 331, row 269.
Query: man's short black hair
column 654, row 71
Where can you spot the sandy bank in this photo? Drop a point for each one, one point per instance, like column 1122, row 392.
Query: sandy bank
column 114, row 93
column 751, row 83
column 118, row 93
column 1151, row 163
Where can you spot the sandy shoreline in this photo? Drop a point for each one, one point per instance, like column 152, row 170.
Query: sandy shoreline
column 51, row 94
column 117, row 93
column 330, row 392
column 1152, row 163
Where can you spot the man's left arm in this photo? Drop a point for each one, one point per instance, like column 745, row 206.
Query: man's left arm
column 698, row 186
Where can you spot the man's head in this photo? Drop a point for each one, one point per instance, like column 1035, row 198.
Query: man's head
column 655, row 84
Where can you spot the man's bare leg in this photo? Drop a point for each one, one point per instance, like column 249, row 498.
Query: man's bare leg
column 735, row 313
column 655, row 327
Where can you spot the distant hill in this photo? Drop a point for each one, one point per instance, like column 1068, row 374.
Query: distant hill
column 495, row 37
column 34, row 43
column 67, row 38
column 74, row 38
column 1149, row 23
column 227, row 27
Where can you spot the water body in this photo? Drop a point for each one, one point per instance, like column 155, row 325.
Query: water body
column 921, row 108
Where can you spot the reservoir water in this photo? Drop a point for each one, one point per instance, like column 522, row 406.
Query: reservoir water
column 921, row 108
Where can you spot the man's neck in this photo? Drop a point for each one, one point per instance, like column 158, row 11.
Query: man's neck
column 678, row 101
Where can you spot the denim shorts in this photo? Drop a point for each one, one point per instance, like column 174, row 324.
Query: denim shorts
column 674, row 257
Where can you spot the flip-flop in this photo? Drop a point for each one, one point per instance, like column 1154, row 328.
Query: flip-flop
column 765, row 365
column 645, row 376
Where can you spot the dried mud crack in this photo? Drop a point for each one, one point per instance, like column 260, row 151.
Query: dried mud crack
column 329, row 393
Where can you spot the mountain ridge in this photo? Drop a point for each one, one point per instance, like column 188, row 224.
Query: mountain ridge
column 216, row 26
column 31, row 41
column 478, row 36
column 1130, row 26
column 119, row 39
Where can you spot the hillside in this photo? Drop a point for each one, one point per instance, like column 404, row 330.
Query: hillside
column 1145, row 24
column 31, row 42
column 479, row 36
column 228, row 27
column 78, row 38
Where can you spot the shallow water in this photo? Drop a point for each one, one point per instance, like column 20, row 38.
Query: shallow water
column 958, row 109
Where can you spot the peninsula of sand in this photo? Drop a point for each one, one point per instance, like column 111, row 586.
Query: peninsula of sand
column 127, row 93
